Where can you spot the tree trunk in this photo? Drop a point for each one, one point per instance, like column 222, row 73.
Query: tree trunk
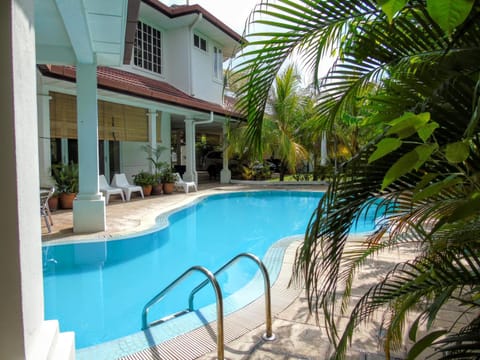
column 283, row 170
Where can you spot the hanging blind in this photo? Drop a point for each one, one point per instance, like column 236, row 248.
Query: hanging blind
column 116, row 122
column 159, row 127
column 63, row 116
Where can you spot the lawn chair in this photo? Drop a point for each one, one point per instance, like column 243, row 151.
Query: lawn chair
column 45, row 209
column 108, row 190
column 184, row 185
column 120, row 181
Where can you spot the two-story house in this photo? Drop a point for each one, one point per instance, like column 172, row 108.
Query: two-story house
column 168, row 93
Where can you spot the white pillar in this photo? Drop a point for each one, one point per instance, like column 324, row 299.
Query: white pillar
column 44, row 152
column 89, row 206
column 152, row 133
column 165, row 136
column 106, row 159
column 323, row 150
column 225, row 174
column 64, row 145
column 23, row 330
column 190, row 172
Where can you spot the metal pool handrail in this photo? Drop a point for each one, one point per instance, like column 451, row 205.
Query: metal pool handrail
column 218, row 295
column 269, row 336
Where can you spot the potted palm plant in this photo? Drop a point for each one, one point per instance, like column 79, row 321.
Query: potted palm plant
column 145, row 180
column 154, row 156
column 66, row 183
column 168, row 180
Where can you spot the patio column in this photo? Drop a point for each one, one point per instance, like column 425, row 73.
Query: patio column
column 152, row 133
column 225, row 174
column 190, row 172
column 165, row 136
column 89, row 206
column 44, row 152
column 24, row 333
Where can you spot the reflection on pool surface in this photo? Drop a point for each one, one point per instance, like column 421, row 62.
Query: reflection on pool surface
column 98, row 289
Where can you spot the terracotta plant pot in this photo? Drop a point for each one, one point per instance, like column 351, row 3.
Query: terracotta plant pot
column 53, row 203
column 147, row 190
column 66, row 200
column 168, row 188
column 157, row 189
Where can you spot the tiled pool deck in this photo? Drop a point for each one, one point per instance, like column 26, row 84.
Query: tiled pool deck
column 298, row 336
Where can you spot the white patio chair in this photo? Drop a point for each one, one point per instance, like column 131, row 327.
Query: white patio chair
column 120, row 181
column 45, row 209
column 184, row 185
column 108, row 190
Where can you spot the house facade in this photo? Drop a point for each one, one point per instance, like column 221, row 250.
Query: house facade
column 168, row 93
column 54, row 52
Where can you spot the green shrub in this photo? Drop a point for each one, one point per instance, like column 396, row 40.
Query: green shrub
column 66, row 177
column 144, row 178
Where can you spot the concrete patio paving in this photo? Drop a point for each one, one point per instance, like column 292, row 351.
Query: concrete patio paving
column 298, row 336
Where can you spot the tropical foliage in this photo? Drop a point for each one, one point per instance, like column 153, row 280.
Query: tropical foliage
column 154, row 155
column 285, row 105
column 144, row 178
column 417, row 61
column 66, row 177
column 281, row 135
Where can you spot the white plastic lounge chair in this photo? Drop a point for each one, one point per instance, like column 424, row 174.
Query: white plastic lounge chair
column 120, row 181
column 45, row 209
column 184, row 185
column 108, row 190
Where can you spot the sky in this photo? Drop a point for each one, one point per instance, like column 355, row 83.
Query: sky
column 233, row 13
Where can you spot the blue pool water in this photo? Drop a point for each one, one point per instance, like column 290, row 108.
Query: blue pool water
column 98, row 289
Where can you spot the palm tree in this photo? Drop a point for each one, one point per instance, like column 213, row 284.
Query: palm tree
column 311, row 135
column 422, row 59
column 285, row 107
column 280, row 127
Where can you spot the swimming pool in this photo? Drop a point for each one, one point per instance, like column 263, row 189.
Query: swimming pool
column 98, row 289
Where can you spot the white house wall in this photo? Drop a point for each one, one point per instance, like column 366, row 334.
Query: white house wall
column 133, row 158
column 204, row 85
column 177, row 58
column 184, row 66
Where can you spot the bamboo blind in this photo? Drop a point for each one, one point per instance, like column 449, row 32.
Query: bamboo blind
column 116, row 122
column 159, row 126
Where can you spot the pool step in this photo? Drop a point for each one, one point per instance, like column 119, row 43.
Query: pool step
column 64, row 347
column 169, row 317
column 51, row 344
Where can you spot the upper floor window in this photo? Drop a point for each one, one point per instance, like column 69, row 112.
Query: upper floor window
column 217, row 63
column 199, row 42
column 148, row 48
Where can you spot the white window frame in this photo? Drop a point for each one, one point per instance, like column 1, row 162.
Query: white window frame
column 148, row 54
column 200, row 43
column 217, row 63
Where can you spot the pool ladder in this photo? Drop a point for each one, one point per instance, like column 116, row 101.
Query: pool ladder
column 212, row 278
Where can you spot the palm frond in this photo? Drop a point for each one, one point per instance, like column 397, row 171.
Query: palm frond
column 300, row 24
column 413, row 283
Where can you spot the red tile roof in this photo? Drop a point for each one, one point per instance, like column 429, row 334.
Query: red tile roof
column 140, row 86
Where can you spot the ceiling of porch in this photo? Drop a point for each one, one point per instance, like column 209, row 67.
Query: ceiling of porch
column 89, row 31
